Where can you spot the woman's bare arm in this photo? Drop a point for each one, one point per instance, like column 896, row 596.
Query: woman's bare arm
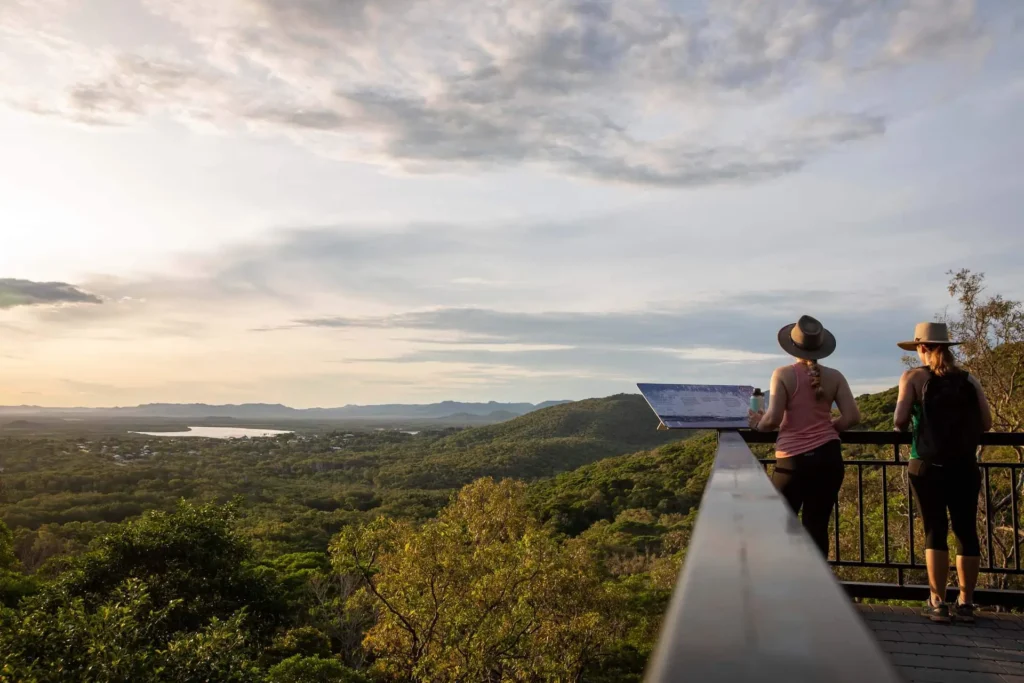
column 777, row 399
column 849, row 413
column 905, row 402
column 986, row 411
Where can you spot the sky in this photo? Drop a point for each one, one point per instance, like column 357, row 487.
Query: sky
column 324, row 202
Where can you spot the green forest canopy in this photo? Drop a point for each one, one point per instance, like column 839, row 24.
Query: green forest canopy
column 166, row 557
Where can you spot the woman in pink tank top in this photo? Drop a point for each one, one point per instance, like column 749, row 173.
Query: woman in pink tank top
column 809, row 467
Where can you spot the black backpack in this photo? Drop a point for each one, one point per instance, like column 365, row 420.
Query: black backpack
column 950, row 427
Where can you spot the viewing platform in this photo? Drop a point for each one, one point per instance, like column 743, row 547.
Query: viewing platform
column 756, row 601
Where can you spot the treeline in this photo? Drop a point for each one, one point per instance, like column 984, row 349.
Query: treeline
column 245, row 582
column 485, row 591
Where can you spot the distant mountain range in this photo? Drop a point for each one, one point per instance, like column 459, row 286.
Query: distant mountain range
column 492, row 410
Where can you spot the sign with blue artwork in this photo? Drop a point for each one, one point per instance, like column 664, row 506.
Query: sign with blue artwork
column 699, row 406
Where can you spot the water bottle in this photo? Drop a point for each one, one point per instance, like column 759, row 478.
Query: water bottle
column 757, row 401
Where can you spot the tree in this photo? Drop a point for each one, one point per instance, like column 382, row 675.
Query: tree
column 304, row 640
column 54, row 643
column 991, row 329
column 13, row 584
column 191, row 559
column 301, row 669
column 482, row 593
column 119, row 641
column 8, row 561
column 221, row 652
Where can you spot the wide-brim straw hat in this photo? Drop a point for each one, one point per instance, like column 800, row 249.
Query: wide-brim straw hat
column 928, row 333
column 807, row 339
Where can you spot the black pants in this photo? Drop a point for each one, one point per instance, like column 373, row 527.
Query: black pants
column 810, row 482
column 956, row 488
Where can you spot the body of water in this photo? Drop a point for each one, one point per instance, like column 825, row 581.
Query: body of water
column 220, row 432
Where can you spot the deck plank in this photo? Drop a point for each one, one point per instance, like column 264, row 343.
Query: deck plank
column 989, row 651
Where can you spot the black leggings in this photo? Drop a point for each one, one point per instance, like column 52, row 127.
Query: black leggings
column 811, row 481
column 954, row 487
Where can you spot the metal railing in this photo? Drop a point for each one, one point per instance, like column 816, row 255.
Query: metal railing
column 914, row 561
column 755, row 600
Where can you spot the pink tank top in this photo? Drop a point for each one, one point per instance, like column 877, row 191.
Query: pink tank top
column 807, row 423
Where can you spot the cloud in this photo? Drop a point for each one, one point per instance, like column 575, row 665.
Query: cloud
column 14, row 292
column 470, row 271
column 574, row 307
column 123, row 88
column 651, row 92
column 595, row 262
column 80, row 387
column 728, row 323
column 621, row 364
column 407, row 318
column 695, row 341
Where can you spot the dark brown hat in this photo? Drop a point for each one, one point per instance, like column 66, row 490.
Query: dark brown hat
column 807, row 339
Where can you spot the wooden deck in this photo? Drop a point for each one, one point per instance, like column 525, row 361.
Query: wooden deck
column 989, row 651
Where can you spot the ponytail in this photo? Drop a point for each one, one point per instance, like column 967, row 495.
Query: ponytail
column 938, row 358
column 814, row 370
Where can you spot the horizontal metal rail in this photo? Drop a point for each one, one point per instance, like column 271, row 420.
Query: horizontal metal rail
column 755, row 600
column 877, row 438
column 901, row 589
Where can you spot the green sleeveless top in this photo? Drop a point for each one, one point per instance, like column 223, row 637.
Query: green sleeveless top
column 915, row 424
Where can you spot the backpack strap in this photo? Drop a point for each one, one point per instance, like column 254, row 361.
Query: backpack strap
column 924, row 387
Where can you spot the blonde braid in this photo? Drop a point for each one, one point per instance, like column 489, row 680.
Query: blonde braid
column 814, row 370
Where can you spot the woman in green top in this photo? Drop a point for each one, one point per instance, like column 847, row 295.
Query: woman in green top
column 947, row 411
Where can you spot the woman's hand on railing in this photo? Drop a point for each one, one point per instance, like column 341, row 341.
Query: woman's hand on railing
column 754, row 419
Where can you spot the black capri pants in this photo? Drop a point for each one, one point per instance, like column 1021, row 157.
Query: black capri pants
column 811, row 481
column 954, row 488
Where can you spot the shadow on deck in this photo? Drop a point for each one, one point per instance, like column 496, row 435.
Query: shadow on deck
column 991, row 650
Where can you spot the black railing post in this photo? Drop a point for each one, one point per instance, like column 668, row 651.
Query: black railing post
column 1015, row 523
column 885, row 513
column 902, row 590
column 836, row 529
column 860, row 507
column 910, row 519
column 988, row 518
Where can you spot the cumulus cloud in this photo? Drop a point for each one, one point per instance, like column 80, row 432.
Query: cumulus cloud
column 650, row 92
column 14, row 292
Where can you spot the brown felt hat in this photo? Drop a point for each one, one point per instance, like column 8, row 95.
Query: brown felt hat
column 807, row 339
column 928, row 333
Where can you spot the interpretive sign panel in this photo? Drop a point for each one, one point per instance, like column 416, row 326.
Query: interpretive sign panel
column 699, row 406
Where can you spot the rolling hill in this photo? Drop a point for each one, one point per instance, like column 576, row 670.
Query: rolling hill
column 668, row 479
column 622, row 419
column 539, row 444
column 876, row 409
column 491, row 411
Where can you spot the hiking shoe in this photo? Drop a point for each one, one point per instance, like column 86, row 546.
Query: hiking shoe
column 964, row 612
column 938, row 612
